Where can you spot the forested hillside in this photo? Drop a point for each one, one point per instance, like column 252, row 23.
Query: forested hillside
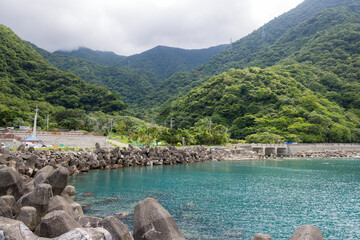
column 162, row 61
column 277, row 40
column 309, row 95
column 27, row 80
column 141, row 83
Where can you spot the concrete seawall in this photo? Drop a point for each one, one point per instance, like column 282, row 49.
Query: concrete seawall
column 317, row 147
column 67, row 139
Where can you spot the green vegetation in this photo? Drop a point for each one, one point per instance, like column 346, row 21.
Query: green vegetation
column 294, row 79
column 27, row 80
column 262, row 106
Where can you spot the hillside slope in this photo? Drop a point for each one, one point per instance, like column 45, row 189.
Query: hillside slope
column 27, row 80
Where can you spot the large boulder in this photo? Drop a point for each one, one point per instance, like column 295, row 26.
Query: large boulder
column 42, row 174
column 11, row 182
column 86, row 234
column 55, row 224
column 261, row 236
column 89, row 221
column 68, row 191
column 152, row 221
column 59, row 203
column 13, row 229
column 58, row 179
column 307, row 232
column 5, row 209
column 29, row 216
column 116, row 228
column 38, row 198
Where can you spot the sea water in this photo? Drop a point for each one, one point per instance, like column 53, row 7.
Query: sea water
column 235, row 199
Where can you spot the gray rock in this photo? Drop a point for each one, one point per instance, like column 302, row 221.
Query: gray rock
column 89, row 221
column 9, row 199
column 152, row 221
column 5, row 209
column 38, row 198
column 58, row 180
column 42, row 174
column 307, row 232
column 68, row 191
column 116, row 228
column 11, row 183
column 55, row 224
column 59, row 203
column 16, row 230
column 29, row 216
column 86, row 234
column 261, row 236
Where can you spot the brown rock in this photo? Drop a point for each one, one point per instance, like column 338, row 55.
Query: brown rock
column 307, row 232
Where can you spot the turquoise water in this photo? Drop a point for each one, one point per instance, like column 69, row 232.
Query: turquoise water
column 235, row 200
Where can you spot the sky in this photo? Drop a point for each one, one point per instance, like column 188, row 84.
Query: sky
column 129, row 27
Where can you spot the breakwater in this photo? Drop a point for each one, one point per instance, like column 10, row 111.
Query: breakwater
column 45, row 173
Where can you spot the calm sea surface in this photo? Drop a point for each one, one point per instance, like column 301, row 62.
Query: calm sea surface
column 237, row 199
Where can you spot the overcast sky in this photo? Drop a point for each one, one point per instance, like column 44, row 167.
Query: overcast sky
column 132, row 26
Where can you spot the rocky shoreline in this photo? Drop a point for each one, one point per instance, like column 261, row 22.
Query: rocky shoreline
column 36, row 202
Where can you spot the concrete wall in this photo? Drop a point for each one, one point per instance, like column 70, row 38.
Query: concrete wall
column 68, row 139
column 298, row 148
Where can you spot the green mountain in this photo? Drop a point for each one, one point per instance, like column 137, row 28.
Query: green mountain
column 162, row 61
column 134, row 85
column 275, row 41
column 310, row 92
column 141, row 85
column 27, row 80
column 99, row 57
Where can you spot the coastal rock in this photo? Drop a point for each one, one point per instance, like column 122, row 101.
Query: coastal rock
column 55, row 224
column 11, row 183
column 14, row 229
column 116, row 228
column 29, row 216
column 5, row 209
column 59, row 203
column 307, row 232
column 38, row 198
column 42, row 174
column 261, row 236
column 10, row 200
column 153, row 222
column 68, row 191
column 58, row 180
column 89, row 221
column 86, row 234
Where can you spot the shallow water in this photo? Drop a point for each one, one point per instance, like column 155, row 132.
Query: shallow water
column 237, row 199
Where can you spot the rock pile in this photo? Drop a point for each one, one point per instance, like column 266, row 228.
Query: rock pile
column 36, row 203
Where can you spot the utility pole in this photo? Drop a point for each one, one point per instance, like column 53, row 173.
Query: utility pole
column 35, row 119
column 171, row 122
column 47, row 123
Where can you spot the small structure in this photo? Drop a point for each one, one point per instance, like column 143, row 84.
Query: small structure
column 32, row 139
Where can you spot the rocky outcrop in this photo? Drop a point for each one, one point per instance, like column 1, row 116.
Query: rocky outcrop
column 38, row 198
column 29, row 216
column 307, row 232
column 11, row 182
column 153, row 222
column 116, row 228
column 55, row 224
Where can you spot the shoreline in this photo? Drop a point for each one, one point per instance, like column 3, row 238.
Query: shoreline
column 35, row 183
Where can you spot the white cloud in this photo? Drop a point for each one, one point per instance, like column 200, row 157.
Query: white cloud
column 128, row 27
